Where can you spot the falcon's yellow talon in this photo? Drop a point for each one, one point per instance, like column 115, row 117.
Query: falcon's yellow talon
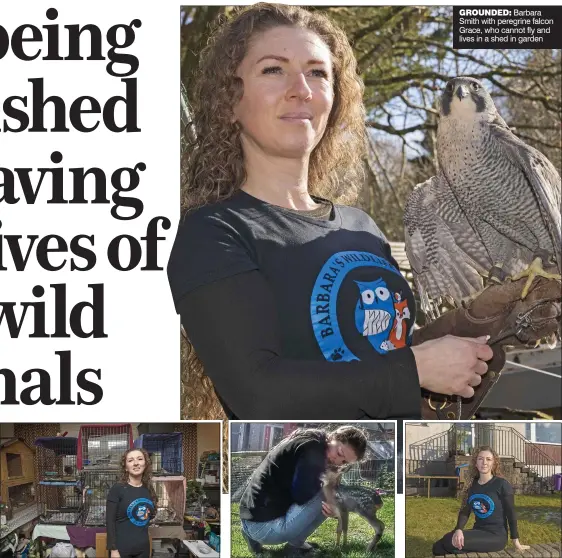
column 534, row 270
column 527, row 286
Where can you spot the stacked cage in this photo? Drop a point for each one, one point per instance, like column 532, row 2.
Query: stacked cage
column 97, row 485
column 166, row 457
column 100, row 448
column 170, row 492
column 165, row 452
column 59, row 496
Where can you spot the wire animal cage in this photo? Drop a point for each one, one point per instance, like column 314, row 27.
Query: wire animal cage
column 165, row 451
column 56, row 458
column 58, row 496
column 95, row 488
column 59, row 502
column 170, row 508
column 100, row 446
column 373, row 473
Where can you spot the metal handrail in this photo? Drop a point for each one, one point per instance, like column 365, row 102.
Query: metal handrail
column 524, row 451
column 437, row 444
column 433, row 436
column 527, row 441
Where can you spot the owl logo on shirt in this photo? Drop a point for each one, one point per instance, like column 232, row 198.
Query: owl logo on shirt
column 351, row 315
column 139, row 511
column 374, row 313
column 482, row 505
column 142, row 513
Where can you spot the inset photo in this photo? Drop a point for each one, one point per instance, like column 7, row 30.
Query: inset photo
column 483, row 487
column 314, row 489
column 390, row 203
column 110, row 490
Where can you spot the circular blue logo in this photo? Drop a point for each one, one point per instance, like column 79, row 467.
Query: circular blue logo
column 139, row 511
column 381, row 312
column 482, row 505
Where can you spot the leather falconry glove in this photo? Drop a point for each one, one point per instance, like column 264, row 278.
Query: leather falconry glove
column 499, row 312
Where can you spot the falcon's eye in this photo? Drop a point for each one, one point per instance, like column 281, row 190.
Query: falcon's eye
column 475, row 86
column 450, row 87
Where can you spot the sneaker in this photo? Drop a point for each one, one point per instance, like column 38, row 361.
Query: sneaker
column 253, row 546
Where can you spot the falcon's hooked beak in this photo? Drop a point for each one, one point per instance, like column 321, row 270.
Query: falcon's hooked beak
column 462, row 92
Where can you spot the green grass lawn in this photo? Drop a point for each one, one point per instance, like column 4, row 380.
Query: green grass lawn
column 359, row 535
column 428, row 519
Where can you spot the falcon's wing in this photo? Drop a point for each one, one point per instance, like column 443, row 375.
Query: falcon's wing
column 542, row 177
column 438, row 239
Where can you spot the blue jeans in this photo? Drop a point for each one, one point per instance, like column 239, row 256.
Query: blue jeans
column 294, row 527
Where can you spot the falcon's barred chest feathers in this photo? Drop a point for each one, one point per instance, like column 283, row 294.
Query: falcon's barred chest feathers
column 493, row 208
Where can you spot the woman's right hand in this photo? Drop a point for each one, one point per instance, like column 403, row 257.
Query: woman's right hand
column 452, row 365
column 115, row 554
column 458, row 539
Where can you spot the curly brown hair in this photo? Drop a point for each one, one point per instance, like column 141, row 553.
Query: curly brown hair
column 473, row 473
column 146, row 475
column 213, row 162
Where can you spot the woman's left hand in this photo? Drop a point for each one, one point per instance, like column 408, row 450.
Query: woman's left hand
column 520, row 547
column 327, row 510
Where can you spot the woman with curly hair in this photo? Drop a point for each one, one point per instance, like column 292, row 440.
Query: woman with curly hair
column 290, row 298
column 283, row 501
column 131, row 504
column 490, row 497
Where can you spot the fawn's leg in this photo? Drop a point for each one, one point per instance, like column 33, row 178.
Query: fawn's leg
column 378, row 526
column 344, row 519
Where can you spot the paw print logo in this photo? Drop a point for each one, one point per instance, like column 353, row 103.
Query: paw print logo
column 387, row 346
column 337, row 354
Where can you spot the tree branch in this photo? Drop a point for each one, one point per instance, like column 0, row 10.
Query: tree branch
column 395, row 131
column 383, row 170
column 544, row 100
column 490, row 75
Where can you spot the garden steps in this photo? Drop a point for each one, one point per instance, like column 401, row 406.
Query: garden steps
column 551, row 550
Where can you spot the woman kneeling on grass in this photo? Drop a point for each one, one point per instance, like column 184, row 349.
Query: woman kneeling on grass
column 490, row 497
column 283, row 500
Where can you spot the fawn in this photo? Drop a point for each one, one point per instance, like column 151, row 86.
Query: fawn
column 345, row 499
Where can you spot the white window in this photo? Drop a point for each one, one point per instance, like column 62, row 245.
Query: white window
column 544, row 432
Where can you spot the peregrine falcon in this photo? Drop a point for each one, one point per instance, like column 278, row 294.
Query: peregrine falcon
column 492, row 211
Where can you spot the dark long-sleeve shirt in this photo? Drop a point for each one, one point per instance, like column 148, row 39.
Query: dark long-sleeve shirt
column 493, row 506
column 128, row 513
column 295, row 316
column 290, row 474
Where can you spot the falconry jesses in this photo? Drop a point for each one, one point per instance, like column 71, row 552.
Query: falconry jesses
column 492, row 211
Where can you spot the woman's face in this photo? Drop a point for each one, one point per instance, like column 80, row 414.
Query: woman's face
column 135, row 463
column 485, row 462
column 288, row 93
column 340, row 454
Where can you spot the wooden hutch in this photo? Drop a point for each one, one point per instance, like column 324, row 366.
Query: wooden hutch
column 17, row 474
